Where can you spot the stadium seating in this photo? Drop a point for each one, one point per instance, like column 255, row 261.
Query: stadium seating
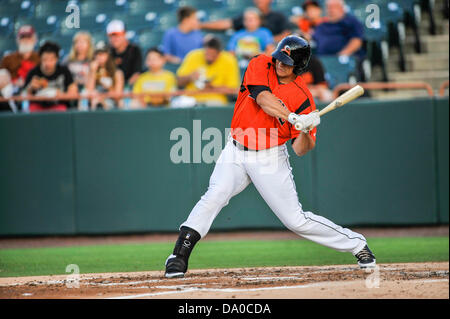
column 136, row 7
column 48, row 8
column 338, row 69
column 146, row 22
column 6, row 26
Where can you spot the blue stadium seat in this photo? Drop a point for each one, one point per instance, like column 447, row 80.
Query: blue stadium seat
column 136, row 7
column 288, row 7
column 41, row 25
column 138, row 22
column 17, row 8
column 219, row 14
column 6, row 26
column 148, row 39
column 99, row 36
column 167, row 20
column 238, row 5
column 172, row 67
column 47, row 8
column 94, row 7
column 7, row 45
column 203, row 4
column 338, row 69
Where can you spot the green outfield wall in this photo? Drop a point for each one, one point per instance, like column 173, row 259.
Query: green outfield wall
column 376, row 163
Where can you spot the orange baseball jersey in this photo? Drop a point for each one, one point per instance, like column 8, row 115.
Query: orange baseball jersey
column 254, row 128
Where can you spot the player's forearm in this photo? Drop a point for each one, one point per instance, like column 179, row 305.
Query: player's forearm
column 303, row 144
column 272, row 105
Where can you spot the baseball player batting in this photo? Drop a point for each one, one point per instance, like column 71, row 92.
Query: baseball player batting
column 273, row 106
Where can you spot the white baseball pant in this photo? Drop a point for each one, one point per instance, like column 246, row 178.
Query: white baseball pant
column 271, row 173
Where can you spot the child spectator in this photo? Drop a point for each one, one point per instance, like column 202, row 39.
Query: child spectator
column 20, row 62
column 155, row 80
column 127, row 56
column 209, row 67
column 49, row 79
column 80, row 57
column 179, row 41
column 312, row 17
column 252, row 40
column 104, row 77
column 275, row 21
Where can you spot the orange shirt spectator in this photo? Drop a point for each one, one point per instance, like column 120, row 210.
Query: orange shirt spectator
column 312, row 17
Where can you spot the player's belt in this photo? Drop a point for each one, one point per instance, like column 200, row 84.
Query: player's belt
column 243, row 147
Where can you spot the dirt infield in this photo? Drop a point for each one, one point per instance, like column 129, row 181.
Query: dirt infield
column 410, row 280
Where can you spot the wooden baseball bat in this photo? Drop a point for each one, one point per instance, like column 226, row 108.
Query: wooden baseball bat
column 342, row 99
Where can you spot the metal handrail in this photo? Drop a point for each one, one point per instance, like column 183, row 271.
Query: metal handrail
column 442, row 88
column 66, row 96
column 384, row 85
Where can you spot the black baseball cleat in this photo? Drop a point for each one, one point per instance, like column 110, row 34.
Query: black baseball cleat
column 175, row 267
column 366, row 258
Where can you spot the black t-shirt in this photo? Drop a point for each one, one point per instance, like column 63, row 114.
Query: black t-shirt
column 129, row 61
column 314, row 73
column 275, row 21
column 60, row 80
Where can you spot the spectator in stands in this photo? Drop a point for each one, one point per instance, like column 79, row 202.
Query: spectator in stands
column 155, row 80
column 126, row 55
column 19, row 63
column 312, row 17
column 209, row 67
column 80, row 57
column 49, row 79
column 179, row 41
column 6, row 91
column 314, row 77
column 104, row 77
column 341, row 34
column 276, row 22
column 252, row 40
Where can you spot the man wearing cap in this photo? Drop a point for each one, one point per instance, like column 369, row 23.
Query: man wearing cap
column 20, row 62
column 126, row 55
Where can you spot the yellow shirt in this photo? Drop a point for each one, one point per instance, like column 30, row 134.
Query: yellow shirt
column 224, row 72
column 163, row 81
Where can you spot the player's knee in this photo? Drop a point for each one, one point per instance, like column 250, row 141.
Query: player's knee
column 218, row 194
column 296, row 222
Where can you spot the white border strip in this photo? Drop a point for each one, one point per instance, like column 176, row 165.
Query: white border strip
column 320, row 284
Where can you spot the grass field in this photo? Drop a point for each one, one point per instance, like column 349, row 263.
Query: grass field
column 212, row 254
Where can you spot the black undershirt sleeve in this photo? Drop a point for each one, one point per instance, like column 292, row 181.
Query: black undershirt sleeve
column 256, row 89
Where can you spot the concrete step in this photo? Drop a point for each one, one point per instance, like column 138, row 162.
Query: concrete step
column 397, row 94
column 436, row 61
column 437, row 43
column 429, row 43
column 422, row 62
column 434, row 78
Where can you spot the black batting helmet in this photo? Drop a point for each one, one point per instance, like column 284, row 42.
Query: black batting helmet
column 293, row 50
